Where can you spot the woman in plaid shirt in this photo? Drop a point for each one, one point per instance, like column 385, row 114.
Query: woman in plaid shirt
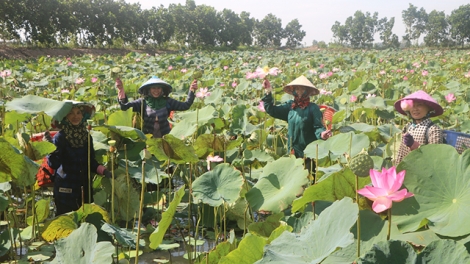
column 156, row 105
column 420, row 106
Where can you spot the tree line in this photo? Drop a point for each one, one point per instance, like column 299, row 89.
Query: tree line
column 115, row 23
column 108, row 23
column 436, row 29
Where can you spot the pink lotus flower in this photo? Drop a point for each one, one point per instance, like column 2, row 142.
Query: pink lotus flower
column 406, row 105
column 211, row 158
column 405, row 78
column 79, row 81
column 170, row 68
column 297, row 64
column 467, row 75
column 222, row 84
column 251, row 75
column 424, row 73
column 353, row 98
column 225, row 68
column 5, row 73
column 370, row 96
column 412, row 71
column 137, row 60
column 322, row 65
column 312, row 71
column 323, row 76
column 69, row 63
column 203, row 93
column 261, row 106
column 325, row 92
column 425, row 83
column 65, row 91
column 234, row 84
column 450, row 98
column 94, row 79
column 184, row 70
column 59, row 61
column 382, row 72
column 385, row 189
column 265, row 71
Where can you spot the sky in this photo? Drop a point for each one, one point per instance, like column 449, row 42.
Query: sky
column 317, row 17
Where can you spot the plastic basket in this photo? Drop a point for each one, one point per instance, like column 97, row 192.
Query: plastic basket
column 40, row 136
column 328, row 113
column 458, row 140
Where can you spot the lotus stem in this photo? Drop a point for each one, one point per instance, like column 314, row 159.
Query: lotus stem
column 141, row 205
column 128, row 183
column 112, row 187
column 33, row 211
column 88, row 163
column 389, row 215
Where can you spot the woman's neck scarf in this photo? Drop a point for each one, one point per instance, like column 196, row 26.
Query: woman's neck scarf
column 155, row 103
column 77, row 135
column 300, row 101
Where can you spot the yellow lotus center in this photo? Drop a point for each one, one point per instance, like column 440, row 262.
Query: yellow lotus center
column 454, row 200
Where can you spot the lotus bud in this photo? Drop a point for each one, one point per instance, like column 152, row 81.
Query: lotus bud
column 112, row 147
column 147, row 154
column 406, row 105
column 90, row 122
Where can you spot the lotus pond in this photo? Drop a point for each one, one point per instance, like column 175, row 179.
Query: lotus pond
column 223, row 173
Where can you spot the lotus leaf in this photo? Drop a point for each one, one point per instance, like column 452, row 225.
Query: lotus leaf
column 280, row 183
column 33, row 104
column 15, row 166
column 318, row 239
column 171, row 148
column 221, row 185
column 338, row 145
column 57, row 228
column 41, row 212
column 440, row 191
column 81, row 247
column 249, row 251
column 335, row 187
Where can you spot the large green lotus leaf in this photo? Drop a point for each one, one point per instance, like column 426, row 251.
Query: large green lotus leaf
column 5, row 187
column 265, row 228
column 42, row 211
column 5, row 242
column 171, row 148
column 338, row 145
column 221, row 185
column 249, row 251
column 121, row 118
column 238, row 212
column 81, row 247
column 199, row 116
column 4, row 203
column 156, row 237
column 444, row 251
column 207, row 143
column 439, row 178
column 183, row 129
column 33, row 104
column 373, row 230
column 335, row 187
column 419, row 238
column 123, row 131
column 127, row 197
column 16, row 166
column 392, row 251
column 318, row 239
column 281, row 182
column 14, row 118
column 375, row 103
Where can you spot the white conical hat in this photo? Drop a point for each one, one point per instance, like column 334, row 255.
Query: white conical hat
column 302, row 81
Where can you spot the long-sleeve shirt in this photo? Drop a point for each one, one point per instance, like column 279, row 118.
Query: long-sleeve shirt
column 150, row 116
column 304, row 125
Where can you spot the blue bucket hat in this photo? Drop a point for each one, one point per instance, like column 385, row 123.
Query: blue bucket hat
column 143, row 89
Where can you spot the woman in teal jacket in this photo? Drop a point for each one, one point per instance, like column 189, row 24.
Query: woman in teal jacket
column 304, row 118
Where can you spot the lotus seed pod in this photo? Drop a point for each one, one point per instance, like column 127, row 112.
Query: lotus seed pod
column 361, row 164
column 197, row 74
column 112, row 144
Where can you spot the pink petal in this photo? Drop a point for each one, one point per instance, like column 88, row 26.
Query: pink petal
column 372, row 192
column 381, row 204
column 374, row 175
column 400, row 177
column 400, row 195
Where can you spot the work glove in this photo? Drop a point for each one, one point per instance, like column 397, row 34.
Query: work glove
column 107, row 174
column 408, row 140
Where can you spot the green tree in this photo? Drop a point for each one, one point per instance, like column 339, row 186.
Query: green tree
column 415, row 23
column 459, row 21
column 385, row 28
column 340, row 33
column 362, row 28
column 294, row 34
column 437, row 29
column 159, row 26
column 246, row 26
column 268, row 32
column 230, row 30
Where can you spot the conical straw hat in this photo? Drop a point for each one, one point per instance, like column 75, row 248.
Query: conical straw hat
column 422, row 96
column 302, row 81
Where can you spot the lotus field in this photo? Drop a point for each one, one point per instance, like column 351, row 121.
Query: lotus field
column 224, row 173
